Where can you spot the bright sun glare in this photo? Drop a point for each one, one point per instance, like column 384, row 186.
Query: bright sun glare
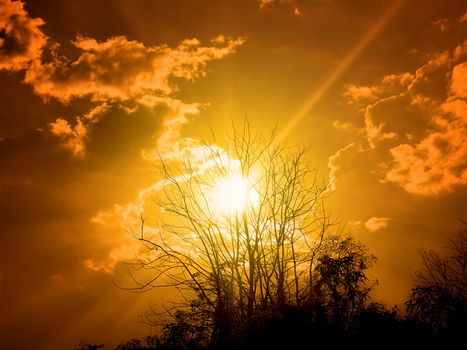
column 232, row 194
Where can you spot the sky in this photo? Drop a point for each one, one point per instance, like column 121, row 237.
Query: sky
column 90, row 89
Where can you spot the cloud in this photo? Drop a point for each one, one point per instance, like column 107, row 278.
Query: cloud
column 264, row 3
column 112, row 223
column 442, row 24
column 122, row 72
column 74, row 136
column 448, row 23
column 373, row 224
column 21, row 40
column 419, row 120
column 341, row 161
column 171, row 146
column 116, row 255
column 360, row 95
column 439, row 161
column 397, row 80
column 403, row 102
column 117, row 71
column 392, row 84
column 458, row 86
column 345, row 126
column 123, row 69
column 111, row 78
column 145, row 208
column 371, row 99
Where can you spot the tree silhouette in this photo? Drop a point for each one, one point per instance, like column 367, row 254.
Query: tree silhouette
column 242, row 267
column 84, row 346
column 145, row 343
column 341, row 283
column 438, row 301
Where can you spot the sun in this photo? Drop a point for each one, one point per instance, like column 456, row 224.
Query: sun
column 233, row 194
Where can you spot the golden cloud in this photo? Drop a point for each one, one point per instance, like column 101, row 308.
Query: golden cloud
column 123, row 69
column 22, row 41
column 439, row 161
column 173, row 148
column 74, row 136
column 116, row 255
column 118, row 74
column 115, row 71
column 458, row 86
column 342, row 161
column 373, row 224
column 265, row 3
column 420, row 120
column 360, row 95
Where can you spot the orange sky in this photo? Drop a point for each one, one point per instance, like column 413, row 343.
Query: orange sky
column 89, row 89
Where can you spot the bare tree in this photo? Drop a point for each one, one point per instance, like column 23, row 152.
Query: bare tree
column 438, row 301
column 233, row 258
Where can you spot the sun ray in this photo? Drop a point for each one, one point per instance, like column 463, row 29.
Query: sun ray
column 346, row 62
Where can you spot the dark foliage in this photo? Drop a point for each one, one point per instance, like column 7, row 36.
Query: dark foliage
column 90, row 347
column 339, row 313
